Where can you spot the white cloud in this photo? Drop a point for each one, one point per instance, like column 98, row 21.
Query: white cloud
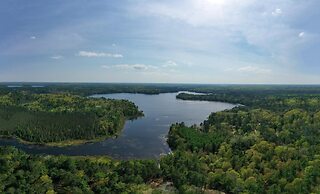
column 98, row 54
column 253, row 69
column 301, row 34
column 56, row 57
column 170, row 63
column 277, row 12
column 105, row 66
column 33, row 37
column 134, row 66
column 138, row 67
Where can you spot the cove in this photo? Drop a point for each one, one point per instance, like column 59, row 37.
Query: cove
column 142, row 138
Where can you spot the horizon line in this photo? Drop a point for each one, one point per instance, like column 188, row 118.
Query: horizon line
column 155, row 83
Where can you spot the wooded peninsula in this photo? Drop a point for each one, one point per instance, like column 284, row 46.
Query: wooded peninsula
column 62, row 119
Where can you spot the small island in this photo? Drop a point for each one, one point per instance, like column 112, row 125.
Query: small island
column 62, row 119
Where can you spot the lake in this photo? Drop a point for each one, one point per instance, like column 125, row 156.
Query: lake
column 141, row 138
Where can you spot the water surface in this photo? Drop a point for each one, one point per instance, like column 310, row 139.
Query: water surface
column 141, row 138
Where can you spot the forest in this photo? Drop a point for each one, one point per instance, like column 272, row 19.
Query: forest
column 267, row 144
column 23, row 173
column 62, row 119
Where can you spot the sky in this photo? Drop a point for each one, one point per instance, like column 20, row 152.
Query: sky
column 167, row 41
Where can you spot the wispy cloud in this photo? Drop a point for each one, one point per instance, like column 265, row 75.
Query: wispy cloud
column 253, row 69
column 98, row 54
column 56, row 57
column 33, row 37
column 277, row 12
column 138, row 67
column 301, row 34
column 170, row 63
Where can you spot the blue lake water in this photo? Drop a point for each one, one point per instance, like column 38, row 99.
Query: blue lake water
column 141, row 138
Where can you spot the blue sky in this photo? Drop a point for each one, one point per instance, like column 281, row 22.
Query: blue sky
column 177, row 41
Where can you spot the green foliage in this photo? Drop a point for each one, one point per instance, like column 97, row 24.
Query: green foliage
column 193, row 139
column 23, row 173
column 269, row 146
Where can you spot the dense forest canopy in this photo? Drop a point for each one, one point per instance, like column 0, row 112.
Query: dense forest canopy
column 23, row 173
column 54, row 118
column 268, row 145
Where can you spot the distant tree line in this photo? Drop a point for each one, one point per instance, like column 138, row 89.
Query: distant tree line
column 86, row 89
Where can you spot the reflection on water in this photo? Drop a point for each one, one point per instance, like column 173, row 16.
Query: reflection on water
column 141, row 138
